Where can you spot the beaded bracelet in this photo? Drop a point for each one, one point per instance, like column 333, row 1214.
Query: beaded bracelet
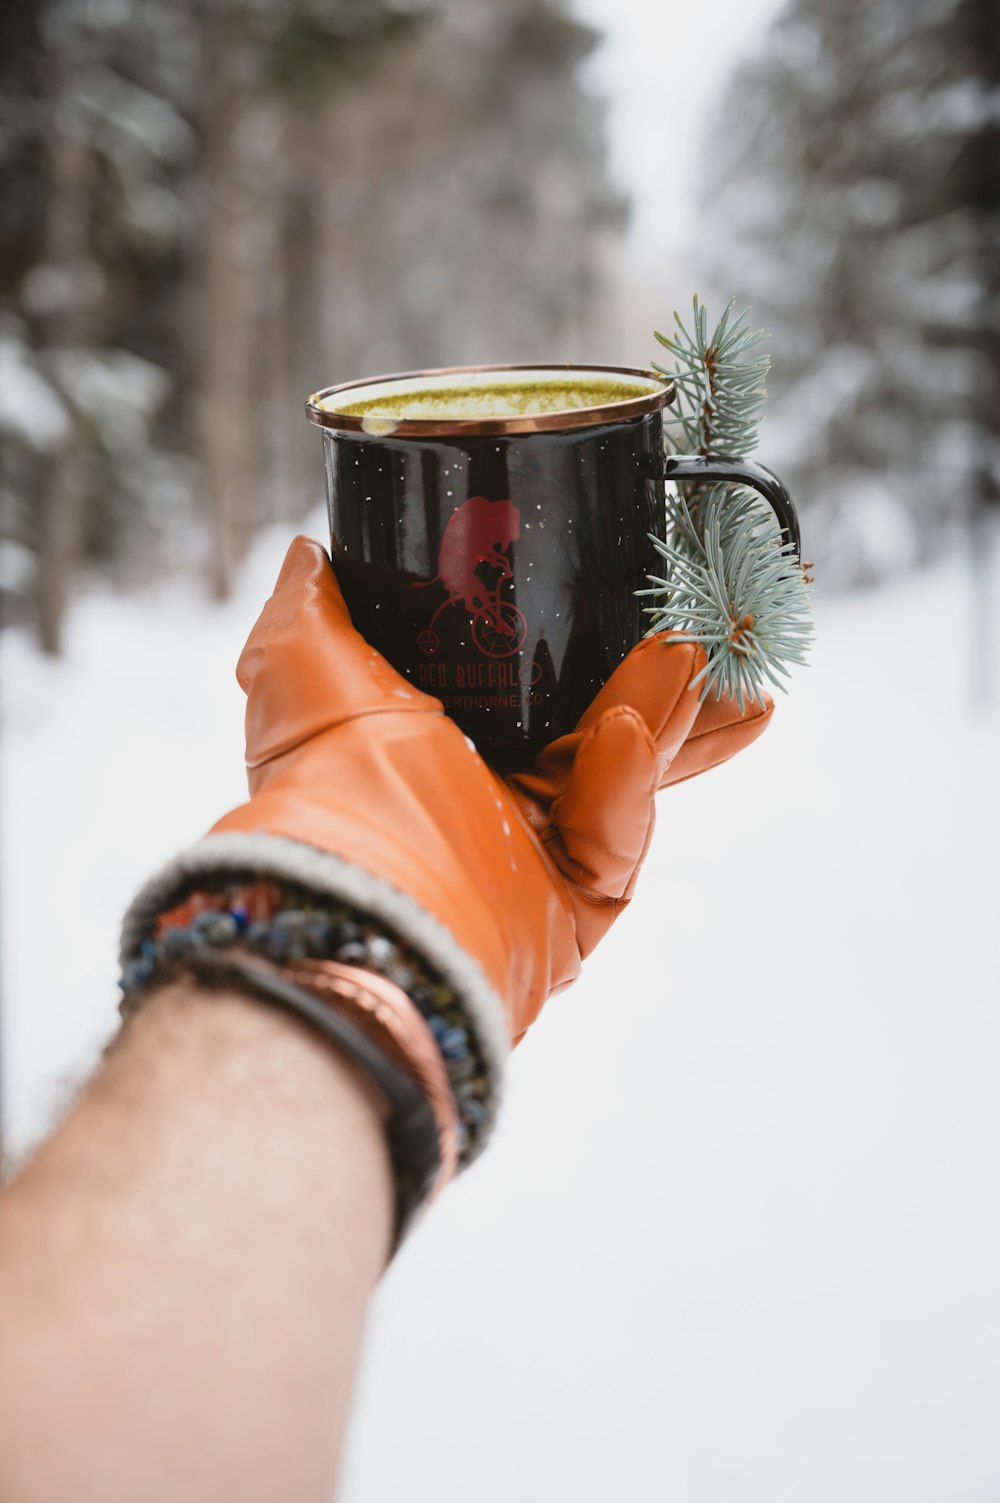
column 289, row 924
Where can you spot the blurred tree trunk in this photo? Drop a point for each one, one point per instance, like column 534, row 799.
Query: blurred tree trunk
column 287, row 339
column 981, row 26
column 227, row 432
column 63, row 500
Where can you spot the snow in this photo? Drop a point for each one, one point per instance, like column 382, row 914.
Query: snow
column 116, row 391
column 29, row 405
column 135, row 120
column 738, row 1234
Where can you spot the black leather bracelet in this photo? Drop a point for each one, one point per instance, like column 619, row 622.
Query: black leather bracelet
column 411, row 1129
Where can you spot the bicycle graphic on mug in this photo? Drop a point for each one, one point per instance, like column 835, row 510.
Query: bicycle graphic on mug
column 477, row 537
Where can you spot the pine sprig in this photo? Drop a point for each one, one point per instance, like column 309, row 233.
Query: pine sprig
column 720, row 393
column 731, row 583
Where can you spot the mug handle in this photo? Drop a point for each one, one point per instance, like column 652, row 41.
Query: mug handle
column 740, row 471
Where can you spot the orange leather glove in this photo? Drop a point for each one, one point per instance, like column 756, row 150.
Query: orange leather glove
column 362, row 788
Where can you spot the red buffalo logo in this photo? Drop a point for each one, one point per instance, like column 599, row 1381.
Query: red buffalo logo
column 474, row 567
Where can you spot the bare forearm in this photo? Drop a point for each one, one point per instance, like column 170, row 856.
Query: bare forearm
column 185, row 1266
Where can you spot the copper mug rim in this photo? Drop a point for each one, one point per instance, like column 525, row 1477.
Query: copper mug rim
column 521, row 422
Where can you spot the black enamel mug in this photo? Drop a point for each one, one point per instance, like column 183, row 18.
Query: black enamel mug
column 492, row 552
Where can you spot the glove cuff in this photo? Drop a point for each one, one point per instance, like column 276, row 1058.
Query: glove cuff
column 260, row 855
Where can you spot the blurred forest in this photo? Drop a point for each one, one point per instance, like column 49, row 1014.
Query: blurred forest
column 852, row 195
column 212, row 207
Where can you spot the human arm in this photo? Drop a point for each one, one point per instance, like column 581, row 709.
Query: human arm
column 185, row 1265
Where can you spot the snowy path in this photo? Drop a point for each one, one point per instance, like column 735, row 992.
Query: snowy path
column 760, row 1265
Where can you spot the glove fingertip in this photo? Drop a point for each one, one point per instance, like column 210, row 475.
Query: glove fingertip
column 304, row 559
column 720, row 732
column 655, row 679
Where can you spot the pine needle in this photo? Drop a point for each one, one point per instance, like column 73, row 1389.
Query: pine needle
column 731, row 582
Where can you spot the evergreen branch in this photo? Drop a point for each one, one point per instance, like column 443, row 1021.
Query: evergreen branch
column 731, row 584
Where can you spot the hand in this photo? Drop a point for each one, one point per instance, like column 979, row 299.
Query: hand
column 361, row 786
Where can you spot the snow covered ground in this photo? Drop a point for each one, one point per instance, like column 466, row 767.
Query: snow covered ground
column 738, row 1238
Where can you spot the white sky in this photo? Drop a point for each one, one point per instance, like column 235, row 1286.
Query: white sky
column 660, row 67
